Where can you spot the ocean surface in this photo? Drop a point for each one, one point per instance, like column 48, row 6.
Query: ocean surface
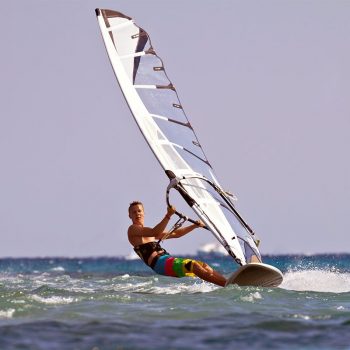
column 116, row 303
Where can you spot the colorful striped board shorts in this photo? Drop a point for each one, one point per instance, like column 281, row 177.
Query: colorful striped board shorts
column 167, row 265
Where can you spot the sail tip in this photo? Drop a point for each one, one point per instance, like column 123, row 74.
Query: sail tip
column 97, row 11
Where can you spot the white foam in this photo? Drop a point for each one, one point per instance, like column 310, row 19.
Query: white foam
column 301, row 316
column 58, row 268
column 153, row 286
column 20, row 301
column 7, row 313
column 53, row 300
column 252, row 297
column 180, row 288
column 198, row 287
column 317, row 281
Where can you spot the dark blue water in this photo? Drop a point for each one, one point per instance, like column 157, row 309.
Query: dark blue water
column 114, row 303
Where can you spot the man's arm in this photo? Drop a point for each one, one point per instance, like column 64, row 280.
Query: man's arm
column 157, row 231
column 184, row 230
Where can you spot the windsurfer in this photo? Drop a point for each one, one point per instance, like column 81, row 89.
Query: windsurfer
column 145, row 241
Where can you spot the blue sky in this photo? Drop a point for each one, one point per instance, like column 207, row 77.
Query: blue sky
column 265, row 85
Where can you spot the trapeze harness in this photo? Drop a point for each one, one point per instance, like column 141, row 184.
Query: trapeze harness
column 144, row 251
column 163, row 263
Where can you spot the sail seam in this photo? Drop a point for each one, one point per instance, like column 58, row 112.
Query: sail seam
column 132, row 55
column 120, row 26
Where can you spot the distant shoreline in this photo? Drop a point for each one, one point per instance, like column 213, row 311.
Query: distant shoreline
column 97, row 257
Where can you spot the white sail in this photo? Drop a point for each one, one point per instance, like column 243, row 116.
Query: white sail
column 160, row 116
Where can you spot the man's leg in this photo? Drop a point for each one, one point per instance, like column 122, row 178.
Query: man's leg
column 205, row 272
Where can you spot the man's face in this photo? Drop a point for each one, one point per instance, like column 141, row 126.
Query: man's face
column 136, row 214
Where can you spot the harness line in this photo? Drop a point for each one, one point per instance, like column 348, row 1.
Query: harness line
column 177, row 225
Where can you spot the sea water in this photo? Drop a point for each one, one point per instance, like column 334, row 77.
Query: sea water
column 115, row 303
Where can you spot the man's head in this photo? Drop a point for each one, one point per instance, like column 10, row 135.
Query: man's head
column 136, row 212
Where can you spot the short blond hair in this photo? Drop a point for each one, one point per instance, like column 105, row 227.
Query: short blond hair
column 134, row 203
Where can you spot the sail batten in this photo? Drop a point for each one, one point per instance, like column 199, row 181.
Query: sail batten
column 145, row 86
column 161, row 118
column 187, row 125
